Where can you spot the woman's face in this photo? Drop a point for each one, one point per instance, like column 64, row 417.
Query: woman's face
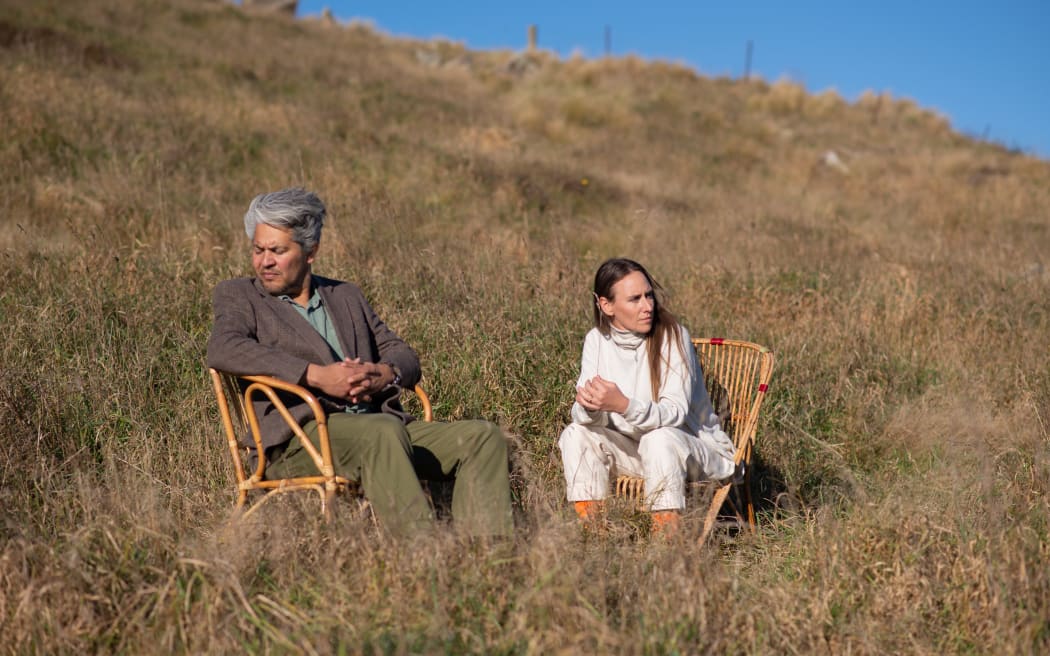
column 632, row 303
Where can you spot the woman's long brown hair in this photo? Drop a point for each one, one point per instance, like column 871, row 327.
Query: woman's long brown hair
column 665, row 325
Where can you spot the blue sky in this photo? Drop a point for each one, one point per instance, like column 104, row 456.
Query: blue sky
column 984, row 65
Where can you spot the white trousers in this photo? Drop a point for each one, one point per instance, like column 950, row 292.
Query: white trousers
column 665, row 458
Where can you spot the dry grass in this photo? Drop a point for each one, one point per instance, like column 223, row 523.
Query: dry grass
column 903, row 467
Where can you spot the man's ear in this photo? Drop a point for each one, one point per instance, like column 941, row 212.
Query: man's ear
column 312, row 254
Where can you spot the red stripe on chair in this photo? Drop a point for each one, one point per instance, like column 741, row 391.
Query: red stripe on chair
column 717, row 340
column 763, row 387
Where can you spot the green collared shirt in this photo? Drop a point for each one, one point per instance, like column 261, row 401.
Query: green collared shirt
column 316, row 315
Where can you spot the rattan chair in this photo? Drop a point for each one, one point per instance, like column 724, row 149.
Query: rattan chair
column 238, row 418
column 737, row 375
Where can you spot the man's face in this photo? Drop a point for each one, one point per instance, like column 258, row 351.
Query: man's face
column 280, row 263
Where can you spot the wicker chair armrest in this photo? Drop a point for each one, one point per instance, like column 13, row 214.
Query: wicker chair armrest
column 424, row 400
column 266, row 385
column 311, row 400
column 300, row 391
column 323, row 459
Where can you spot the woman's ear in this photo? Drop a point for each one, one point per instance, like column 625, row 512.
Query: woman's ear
column 605, row 305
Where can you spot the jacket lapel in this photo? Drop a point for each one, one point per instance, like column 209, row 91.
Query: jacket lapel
column 341, row 319
column 295, row 324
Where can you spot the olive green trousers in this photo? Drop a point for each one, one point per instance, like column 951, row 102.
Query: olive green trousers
column 389, row 458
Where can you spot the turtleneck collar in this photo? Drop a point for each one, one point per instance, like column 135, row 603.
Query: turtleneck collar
column 625, row 338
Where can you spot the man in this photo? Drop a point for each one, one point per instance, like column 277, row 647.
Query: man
column 322, row 334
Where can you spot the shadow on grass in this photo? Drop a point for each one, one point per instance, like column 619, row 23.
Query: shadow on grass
column 769, row 495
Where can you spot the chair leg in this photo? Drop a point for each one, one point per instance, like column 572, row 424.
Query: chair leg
column 747, row 497
column 712, row 513
column 327, row 497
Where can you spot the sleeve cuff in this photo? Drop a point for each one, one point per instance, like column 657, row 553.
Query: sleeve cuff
column 635, row 409
column 397, row 373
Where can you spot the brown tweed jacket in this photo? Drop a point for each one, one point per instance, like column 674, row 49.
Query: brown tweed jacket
column 256, row 333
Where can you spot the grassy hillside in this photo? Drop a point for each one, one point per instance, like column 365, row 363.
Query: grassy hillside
column 903, row 452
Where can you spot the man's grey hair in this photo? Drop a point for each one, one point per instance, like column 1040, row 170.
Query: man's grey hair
column 295, row 209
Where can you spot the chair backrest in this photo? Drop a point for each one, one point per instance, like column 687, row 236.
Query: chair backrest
column 234, row 418
column 737, row 375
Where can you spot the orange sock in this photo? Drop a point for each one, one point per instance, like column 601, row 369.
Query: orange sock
column 665, row 522
column 588, row 510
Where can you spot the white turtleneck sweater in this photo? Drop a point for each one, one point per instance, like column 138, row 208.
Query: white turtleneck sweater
column 622, row 357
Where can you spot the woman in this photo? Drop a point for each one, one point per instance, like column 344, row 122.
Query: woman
column 641, row 407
